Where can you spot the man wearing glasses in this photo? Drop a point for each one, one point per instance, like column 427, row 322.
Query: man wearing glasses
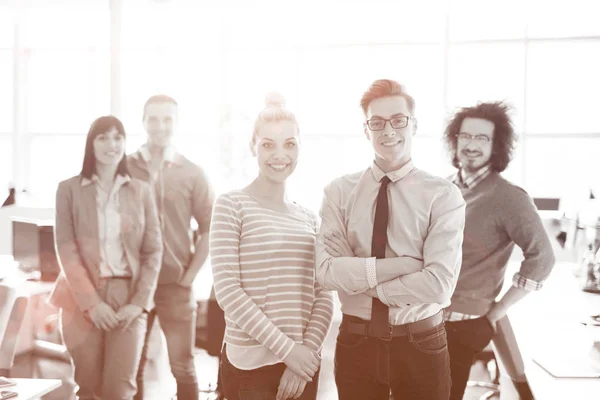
column 390, row 245
column 499, row 215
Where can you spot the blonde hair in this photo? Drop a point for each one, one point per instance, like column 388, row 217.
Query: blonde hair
column 274, row 111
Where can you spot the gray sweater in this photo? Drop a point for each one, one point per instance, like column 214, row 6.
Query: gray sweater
column 498, row 216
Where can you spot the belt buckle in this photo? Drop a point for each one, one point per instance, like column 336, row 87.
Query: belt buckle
column 388, row 338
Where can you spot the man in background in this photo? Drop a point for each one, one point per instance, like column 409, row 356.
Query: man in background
column 499, row 215
column 182, row 192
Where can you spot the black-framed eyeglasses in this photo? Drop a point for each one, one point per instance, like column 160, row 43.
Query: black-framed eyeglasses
column 397, row 122
column 467, row 137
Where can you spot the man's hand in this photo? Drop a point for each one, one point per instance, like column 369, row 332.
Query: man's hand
column 103, row 317
column 338, row 245
column 291, row 385
column 496, row 313
column 127, row 314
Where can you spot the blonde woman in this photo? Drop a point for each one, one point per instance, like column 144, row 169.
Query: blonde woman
column 109, row 249
column 262, row 252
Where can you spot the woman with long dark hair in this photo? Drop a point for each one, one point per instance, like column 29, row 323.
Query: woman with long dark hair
column 109, row 249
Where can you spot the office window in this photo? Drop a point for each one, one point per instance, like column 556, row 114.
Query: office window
column 514, row 172
column 247, row 83
column 330, row 83
column 399, row 22
column 6, row 28
column 179, row 25
column 72, row 26
column 66, row 90
column 556, row 19
column 330, row 25
column 6, row 93
column 484, row 20
column 232, row 151
column 5, row 165
column 218, row 64
column 275, row 28
column 53, row 159
column 558, row 166
column 562, row 87
column 488, row 72
column 67, row 66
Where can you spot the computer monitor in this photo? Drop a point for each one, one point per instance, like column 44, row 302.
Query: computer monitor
column 33, row 247
column 547, row 203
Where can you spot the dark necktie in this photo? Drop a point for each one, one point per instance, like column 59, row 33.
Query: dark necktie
column 379, row 311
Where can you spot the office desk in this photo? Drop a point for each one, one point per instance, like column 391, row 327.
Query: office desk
column 549, row 321
column 30, row 389
column 38, row 310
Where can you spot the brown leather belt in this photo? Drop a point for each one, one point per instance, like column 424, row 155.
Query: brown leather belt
column 361, row 327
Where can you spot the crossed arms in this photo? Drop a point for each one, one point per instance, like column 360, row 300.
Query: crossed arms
column 401, row 280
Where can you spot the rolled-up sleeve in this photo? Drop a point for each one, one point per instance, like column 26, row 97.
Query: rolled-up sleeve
column 523, row 224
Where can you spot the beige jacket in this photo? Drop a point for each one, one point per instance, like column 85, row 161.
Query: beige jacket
column 77, row 244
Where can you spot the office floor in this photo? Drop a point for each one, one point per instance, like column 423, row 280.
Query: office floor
column 161, row 385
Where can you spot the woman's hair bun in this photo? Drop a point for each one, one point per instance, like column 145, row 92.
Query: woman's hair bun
column 274, row 99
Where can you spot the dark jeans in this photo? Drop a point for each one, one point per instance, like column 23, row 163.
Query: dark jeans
column 466, row 339
column 257, row 384
column 416, row 366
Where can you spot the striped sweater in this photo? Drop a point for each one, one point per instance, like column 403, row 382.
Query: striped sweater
column 264, row 276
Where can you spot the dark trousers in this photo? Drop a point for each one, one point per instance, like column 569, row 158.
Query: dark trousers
column 416, row 366
column 466, row 339
column 257, row 384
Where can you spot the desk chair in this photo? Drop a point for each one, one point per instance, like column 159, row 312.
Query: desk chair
column 12, row 312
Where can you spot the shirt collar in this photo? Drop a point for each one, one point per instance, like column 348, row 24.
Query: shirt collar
column 169, row 154
column 119, row 180
column 395, row 175
column 470, row 181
